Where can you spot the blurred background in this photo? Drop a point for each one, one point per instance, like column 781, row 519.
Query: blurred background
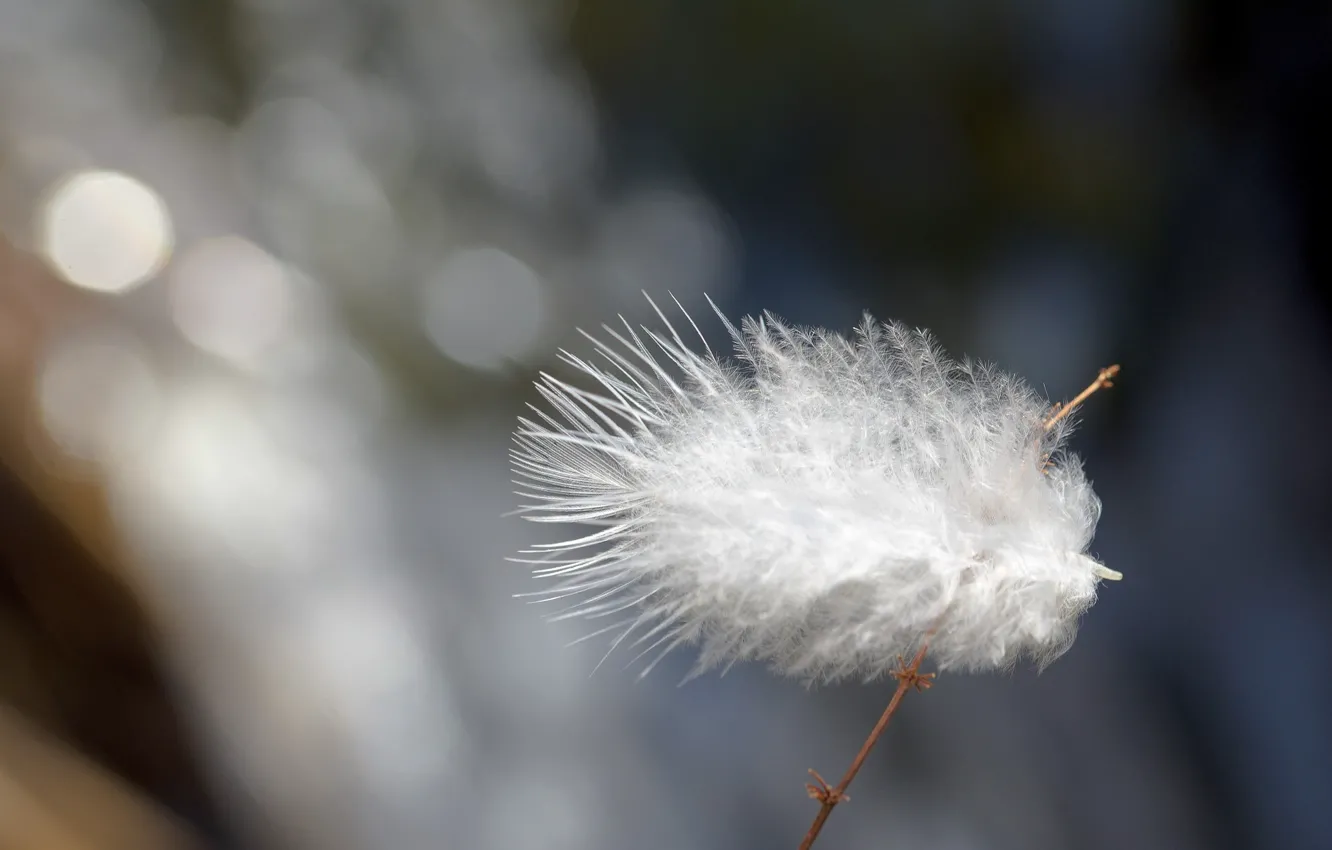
column 275, row 277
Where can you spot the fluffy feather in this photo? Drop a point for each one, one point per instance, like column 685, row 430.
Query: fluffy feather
column 820, row 503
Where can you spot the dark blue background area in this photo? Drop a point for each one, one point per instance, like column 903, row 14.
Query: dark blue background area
column 1059, row 186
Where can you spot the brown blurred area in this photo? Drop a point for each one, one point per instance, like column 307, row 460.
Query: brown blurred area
column 90, row 741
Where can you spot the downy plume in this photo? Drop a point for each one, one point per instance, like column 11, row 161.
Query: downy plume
column 818, row 502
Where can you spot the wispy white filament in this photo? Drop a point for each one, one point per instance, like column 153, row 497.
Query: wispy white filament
column 818, row 502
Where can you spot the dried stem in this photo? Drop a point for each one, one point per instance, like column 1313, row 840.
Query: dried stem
column 1103, row 381
column 908, row 677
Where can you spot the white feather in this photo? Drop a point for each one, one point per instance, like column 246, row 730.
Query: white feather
column 819, row 503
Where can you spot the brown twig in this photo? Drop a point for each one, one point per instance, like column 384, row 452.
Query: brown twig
column 908, row 677
column 1059, row 411
column 1103, row 381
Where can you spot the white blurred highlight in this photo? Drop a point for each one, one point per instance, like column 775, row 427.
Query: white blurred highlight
column 218, row 467
column 358, row 641
column 231, row 298
column 99, row 398
column 484, row 308
column 105, row 231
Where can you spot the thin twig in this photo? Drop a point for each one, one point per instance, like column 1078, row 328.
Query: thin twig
column 908, row 677
column 1103, row 381
column 1059, row 411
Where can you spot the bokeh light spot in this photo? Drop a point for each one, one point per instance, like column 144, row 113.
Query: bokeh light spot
column 231, row 298
column 105, row 231
column 484, row 308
